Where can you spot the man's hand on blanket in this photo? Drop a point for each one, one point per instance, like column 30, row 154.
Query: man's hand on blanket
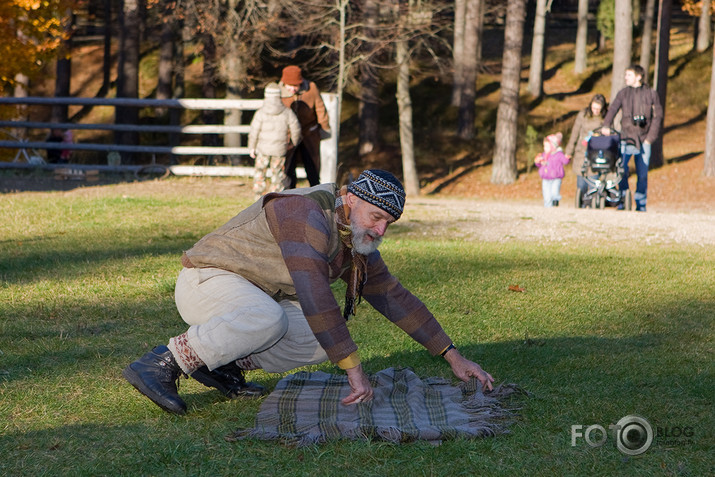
column 360, row 386
column 465, row 369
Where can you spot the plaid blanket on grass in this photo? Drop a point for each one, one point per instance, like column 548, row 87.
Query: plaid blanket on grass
column 305, row 409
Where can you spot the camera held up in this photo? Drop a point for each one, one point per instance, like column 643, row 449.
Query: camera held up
column 639, row 121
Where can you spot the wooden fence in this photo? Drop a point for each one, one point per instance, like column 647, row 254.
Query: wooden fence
column 25, row 157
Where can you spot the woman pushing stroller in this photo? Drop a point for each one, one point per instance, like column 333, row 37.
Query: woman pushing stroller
column 587, row 120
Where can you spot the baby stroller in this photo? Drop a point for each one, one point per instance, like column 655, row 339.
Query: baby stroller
column 602, row 171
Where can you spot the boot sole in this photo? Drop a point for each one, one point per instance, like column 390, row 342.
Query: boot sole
column 134, row 379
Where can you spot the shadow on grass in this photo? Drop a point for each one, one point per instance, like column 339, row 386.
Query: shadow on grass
column 586, row 85
column 12, row 181
column 530, row 362
column 40, row 263
column 569, row 378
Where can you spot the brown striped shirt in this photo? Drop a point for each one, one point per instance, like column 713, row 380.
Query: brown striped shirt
column 302, row 232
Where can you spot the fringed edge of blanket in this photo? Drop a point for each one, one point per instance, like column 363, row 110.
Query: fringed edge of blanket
column 491, row 414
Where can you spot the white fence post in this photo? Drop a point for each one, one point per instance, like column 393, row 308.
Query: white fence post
column 329, row 146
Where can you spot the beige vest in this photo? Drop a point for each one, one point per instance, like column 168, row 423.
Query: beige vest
column 245, row 245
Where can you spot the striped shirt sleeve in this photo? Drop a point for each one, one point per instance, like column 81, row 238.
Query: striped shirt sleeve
column 387, row 295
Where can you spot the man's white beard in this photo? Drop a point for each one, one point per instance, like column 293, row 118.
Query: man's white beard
column 358, row 239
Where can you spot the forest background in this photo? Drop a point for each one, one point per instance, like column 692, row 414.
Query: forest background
column 442, row 64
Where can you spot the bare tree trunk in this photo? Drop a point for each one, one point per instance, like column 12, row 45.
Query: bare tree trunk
column 166, row 58
column 580, row 61
column 622, row 44
column 536, row 66
column 601, row 41
column 233, row 71
column 460, row 13
column 107, row 61
column 636, row 10
column 128, row 73
column 504, row 161
column 341, row 6
column 208, row 90
column 662, row 51
column 368, row 110
column 22, row 85
column 647, row 37
column 696, row 29
column 472, row 35
column 176, row 113
column 704, row 28
column 404, row 106
column 709, row 169
column 64, row 70
column 480, row 30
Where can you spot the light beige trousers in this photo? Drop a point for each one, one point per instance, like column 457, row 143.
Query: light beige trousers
column 230, row 318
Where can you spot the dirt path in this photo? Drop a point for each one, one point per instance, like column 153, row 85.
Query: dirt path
column 475, row 218
column 490, row 220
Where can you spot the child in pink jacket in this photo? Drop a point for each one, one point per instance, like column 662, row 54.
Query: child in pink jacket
column 551, row 164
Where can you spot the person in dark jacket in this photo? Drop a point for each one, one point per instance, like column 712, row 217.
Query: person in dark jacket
column 54, row 156
column 641, row 122
column 303, row 97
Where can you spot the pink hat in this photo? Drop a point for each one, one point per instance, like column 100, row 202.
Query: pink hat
column 555, row 139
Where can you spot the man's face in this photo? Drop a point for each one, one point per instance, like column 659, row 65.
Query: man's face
column 293, row 88
column 632, row 79
column 369, row 224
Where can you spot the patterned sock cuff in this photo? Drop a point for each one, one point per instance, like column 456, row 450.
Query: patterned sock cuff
column 184, row 354
column 247, row 364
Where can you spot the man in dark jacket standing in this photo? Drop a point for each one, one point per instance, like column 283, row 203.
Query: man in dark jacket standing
column 303, row 97
column 641, row 121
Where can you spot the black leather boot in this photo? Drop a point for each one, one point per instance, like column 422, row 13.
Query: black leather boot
column 229, row 380
column 155, row 375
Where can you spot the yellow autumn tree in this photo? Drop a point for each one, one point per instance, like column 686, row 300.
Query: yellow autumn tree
column 30, row 33
column 694, row 8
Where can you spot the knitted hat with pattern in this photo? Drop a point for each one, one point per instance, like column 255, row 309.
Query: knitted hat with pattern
column 381, row 189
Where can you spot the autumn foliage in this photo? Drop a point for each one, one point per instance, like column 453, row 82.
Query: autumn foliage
column 30, row 33
column 694, row 8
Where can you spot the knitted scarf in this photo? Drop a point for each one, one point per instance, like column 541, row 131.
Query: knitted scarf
column 358, row 267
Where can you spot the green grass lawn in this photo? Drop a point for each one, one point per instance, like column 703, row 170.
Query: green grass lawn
column 87, row 287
